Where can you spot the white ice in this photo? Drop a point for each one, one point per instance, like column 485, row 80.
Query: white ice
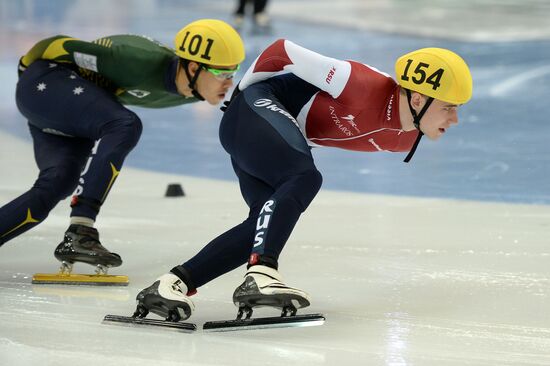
column 402, row 281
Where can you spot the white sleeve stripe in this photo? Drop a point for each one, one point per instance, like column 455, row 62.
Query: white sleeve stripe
column 326, row 73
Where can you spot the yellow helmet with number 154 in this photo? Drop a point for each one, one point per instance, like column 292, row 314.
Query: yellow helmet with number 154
column 211, row 42
column 437, row 73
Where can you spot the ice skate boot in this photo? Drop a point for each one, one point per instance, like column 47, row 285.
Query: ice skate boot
column 81, row 244
column 263, row 286
column 167, row 297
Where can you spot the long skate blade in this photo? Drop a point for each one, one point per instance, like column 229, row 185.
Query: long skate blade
column 305, row 320
column 79, row 279
column 131, row 321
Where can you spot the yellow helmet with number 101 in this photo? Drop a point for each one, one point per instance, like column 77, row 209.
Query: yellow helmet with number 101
column 211, row 42
column 437, row 73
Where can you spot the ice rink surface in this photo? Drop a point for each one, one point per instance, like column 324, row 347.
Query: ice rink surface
column 445, row 261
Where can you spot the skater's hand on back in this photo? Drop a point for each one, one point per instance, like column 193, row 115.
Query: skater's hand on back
column 226, row 104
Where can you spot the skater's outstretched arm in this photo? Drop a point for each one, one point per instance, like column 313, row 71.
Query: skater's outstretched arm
column 65, row 49
column 118, row 59
column 327, row 73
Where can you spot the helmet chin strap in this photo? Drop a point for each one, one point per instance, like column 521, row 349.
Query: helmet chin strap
column 192, row 79
column 416, row 122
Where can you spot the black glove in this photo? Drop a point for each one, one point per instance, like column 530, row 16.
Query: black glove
column 226, row 104
column 21, row 68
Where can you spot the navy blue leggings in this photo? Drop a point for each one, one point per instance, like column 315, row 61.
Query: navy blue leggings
column 81, row 136
column 277, row 177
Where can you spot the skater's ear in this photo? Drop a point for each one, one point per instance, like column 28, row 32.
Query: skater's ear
column 192, row 67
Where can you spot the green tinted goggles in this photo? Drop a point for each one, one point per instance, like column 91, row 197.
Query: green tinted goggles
column 222, row 74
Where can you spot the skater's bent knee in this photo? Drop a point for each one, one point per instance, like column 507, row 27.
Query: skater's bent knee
column 128, row 129
column 304, row 187
column 310, row 183
column 132, row 129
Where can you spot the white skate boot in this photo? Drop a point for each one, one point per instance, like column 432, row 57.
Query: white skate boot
column 263, row 286
column 167, row 298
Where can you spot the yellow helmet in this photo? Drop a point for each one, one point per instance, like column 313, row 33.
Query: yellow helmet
column 211, row 42
column 437, row 73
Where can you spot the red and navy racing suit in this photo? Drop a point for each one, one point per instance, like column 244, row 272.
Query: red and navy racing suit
column 292, row 99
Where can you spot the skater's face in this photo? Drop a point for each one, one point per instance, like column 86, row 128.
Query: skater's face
column 439, row 117
column 213, row 82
